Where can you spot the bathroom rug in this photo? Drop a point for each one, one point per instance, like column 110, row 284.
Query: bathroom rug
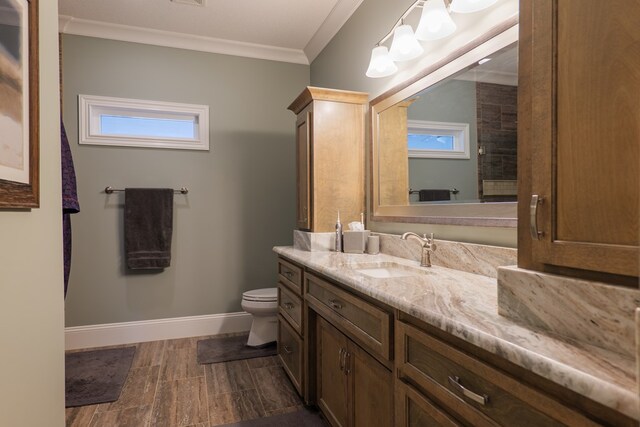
column 224, row 349
column 96, row 376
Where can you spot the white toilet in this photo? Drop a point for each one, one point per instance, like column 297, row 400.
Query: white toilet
column 262, row 304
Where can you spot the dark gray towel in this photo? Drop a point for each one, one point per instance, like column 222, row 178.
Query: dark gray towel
column 433, row 195
column 148, row 225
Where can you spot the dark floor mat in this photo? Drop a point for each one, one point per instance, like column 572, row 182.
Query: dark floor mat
column 301, row 418
column 96, row 376
column 215, row 350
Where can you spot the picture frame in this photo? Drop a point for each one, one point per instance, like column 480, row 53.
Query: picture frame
column 19, row 105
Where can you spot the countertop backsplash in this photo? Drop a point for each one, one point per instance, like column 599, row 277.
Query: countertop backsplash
column 469, row 257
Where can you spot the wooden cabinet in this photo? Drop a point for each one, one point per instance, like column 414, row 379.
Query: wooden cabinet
column 353, row 375
column 579, row 137
column 291, row 343
column 441, row 381
column 329, row 157
column 333, row 390
column 354, row 389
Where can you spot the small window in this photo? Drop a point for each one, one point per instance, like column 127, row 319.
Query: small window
column 438, row 139
column 140, row 123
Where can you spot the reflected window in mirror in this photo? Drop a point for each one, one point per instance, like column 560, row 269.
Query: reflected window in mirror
column 455, row 141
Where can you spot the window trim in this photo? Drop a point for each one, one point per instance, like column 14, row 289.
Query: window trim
column 459, row 131
column 91, row 106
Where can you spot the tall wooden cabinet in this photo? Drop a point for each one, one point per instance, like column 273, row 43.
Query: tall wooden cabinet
column 329, row 157
column 579, row 137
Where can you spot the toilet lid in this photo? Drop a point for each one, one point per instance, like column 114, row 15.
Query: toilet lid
column 265, row 294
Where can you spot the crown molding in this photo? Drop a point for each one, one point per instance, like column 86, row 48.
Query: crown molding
column 105, row 30
column 338, row 16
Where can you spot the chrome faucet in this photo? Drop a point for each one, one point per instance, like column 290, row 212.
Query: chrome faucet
column 428, row 246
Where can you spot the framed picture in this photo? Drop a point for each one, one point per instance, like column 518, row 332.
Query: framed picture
column 19, row 112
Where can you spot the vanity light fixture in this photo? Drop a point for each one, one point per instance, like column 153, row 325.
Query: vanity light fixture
column 381, row 64
column 435, row 23
column 405, row 46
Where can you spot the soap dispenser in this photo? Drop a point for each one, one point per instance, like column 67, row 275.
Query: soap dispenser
column 338, row 243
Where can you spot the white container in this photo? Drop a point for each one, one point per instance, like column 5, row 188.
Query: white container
column 355, row 242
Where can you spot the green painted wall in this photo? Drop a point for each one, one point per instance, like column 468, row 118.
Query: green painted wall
column 453, row 101
column 241, row 199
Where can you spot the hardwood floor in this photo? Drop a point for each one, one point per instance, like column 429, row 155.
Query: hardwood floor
column 167, row 388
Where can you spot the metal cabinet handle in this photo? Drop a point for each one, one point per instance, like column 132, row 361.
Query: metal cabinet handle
column 347, row 363
column 289, row 274
column 287, row 349
column 533, row 216
column 335, row 304
column 288, row 305
column 482, row 399
column 340, row 358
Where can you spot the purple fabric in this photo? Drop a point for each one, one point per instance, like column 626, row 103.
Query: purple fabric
column 70, row 203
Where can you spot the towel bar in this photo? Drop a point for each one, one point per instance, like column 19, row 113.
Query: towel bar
column 109, row 190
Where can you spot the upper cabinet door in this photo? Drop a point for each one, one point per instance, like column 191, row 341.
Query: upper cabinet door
column 581, row 62
column 304, row 134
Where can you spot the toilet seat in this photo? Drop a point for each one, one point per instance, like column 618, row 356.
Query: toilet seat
column 261, row 295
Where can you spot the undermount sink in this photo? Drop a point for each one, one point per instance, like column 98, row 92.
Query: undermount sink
column 386, row 270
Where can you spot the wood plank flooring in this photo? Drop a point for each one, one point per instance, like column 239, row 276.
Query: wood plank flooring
column 167, row 388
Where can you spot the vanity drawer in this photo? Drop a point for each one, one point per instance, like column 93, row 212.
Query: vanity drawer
column 290, row 275
column 476, row 391
column 290, row 307
column 415, row 410
column 290, row 350
column 365, row 323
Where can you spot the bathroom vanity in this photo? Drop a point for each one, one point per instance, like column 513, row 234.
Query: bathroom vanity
column 426, row 346
column 378, row 340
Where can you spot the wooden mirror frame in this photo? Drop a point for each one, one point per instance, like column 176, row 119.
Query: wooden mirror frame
column 471, row 214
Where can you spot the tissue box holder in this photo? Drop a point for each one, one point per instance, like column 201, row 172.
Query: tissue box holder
column 355, row 242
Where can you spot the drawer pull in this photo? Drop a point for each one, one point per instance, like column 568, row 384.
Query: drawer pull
column 289, row 274
column 347, row 362
column 288, row 305
column 482, row 399
column 533, row 216
column 335, row 304
column 340, row 358
column 287, row 349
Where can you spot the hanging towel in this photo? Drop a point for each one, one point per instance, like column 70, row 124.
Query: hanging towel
column 433, row 195
column 148, row 225
column 70, row 203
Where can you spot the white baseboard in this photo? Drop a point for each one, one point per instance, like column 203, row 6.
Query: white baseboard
column 152, row 330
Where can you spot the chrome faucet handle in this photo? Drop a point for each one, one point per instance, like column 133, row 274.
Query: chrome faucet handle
column 429, row 242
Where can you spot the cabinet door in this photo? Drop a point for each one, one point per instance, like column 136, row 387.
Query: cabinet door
column 304, row 125
column 415, row 410
column 582, row 59
column 290, row 350
column 371, row 391
column 332, row 376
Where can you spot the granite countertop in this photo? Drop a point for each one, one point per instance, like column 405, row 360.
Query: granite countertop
column 465, row 305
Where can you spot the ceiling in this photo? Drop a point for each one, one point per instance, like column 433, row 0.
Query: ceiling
column 284, row 30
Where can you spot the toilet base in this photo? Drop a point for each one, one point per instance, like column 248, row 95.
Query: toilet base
column 264, row 330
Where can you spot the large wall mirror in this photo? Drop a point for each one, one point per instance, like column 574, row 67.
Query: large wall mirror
column 444, row 147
